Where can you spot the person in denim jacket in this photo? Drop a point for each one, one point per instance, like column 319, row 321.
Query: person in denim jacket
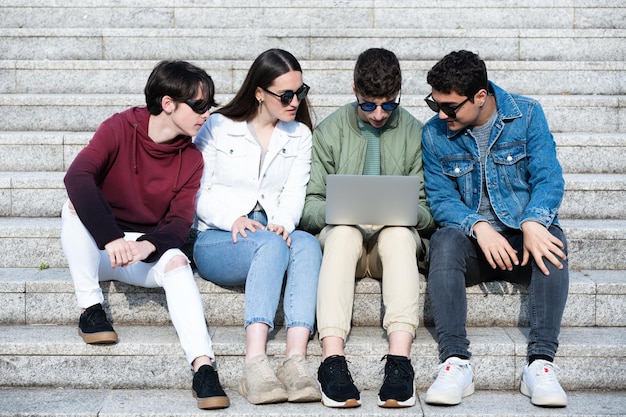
column 494, row 186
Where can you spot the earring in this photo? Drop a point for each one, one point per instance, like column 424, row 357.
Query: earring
column 260, row 101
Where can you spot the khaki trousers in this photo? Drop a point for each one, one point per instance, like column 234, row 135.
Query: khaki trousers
column 386, row 253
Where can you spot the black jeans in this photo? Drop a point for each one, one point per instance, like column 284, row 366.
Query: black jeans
column 456, row 262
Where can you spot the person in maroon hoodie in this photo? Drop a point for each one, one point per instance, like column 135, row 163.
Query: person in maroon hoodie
column 132, row 193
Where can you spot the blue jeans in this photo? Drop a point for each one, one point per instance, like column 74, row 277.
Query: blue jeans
column 260, row 262
column 456, row 262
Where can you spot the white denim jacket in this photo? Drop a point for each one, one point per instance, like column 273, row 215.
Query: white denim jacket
column 232, row 182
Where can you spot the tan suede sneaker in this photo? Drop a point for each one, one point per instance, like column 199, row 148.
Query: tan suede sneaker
column 300, row 386
column 259, row 385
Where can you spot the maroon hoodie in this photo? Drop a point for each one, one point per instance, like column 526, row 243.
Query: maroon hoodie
column 123, row 181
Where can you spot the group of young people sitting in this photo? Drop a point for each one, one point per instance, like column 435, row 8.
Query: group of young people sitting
column 250, row 180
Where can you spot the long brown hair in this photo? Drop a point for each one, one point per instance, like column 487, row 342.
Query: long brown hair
column 268, row 66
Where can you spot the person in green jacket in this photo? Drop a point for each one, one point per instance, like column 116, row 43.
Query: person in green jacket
column 372, row 136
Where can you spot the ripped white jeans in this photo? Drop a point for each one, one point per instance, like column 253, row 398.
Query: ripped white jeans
column 89, row 265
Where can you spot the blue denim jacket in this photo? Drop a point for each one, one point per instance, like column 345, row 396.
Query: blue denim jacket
column 523, row 176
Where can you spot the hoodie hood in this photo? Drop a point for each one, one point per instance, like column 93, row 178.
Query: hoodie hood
column 139, row 118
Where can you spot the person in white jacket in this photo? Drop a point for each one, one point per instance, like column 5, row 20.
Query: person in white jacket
column 257, row 157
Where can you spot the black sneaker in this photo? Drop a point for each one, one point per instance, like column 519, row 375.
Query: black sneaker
column 336, row 384
column 207, row 389
column 94, row 327
column 398, row 389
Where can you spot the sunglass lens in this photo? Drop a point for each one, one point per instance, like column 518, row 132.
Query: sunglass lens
column 389, row 106
column 286, row 98
column 197, row 106
column 432, row 104
column 368, row 106
column 450, row 112
column 302, row 92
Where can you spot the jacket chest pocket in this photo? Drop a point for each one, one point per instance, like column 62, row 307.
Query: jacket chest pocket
column 460, row 169
column 287, row 153
column 510, row 162
column 278, row 170
column 236, row 159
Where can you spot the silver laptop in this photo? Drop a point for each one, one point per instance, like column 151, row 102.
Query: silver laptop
column 372, row 199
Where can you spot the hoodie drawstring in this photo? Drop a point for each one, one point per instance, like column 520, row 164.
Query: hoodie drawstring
column 135, row 149
column 180, row 167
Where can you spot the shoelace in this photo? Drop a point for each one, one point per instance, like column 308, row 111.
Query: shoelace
column 96, row 317
column 339, row 370
column 300, row 368
column 208, row 378
column 265, row 370
column 396, row 370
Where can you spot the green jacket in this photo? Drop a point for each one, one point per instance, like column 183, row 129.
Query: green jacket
column 339, row 148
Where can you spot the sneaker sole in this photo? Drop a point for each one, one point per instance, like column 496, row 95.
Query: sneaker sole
column 396, row 404
column 275, row 396
column 350, row 403
column 100, row 338
column 439, row 399
column 545, row 402
column 392, row 403
column 211, row 403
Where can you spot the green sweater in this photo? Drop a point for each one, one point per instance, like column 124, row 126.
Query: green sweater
column 339, row 148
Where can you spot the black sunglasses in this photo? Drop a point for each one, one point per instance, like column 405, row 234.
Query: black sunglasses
column 449, row 110
column 287, row 96
column 198, row 106
column 387, row 106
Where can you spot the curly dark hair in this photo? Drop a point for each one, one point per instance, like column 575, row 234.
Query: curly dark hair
column 462, row 72
column 377, row 74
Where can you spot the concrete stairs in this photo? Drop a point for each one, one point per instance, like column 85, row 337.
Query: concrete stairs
column 65, row 67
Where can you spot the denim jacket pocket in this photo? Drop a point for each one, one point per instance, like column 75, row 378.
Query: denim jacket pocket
column 460, row 169
column 511, row 165
column 510, row 154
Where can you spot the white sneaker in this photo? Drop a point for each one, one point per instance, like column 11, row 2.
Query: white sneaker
column 454, row 381
column 539, row 382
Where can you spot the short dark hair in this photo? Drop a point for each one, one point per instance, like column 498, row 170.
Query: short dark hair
column 377, row 73
column 462, row 72
column 181, row 81
column 268, row 66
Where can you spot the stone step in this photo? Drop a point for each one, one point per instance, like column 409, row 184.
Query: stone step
column 316, row 43
column 150, row 357
column 317, row 14
column 594, row 196
column 325, row 76
column 84, row 112
column 591, row 153
column 43, row 402
column 32, row 151
column 41, row 194
column 29, row 242
column 31, row 296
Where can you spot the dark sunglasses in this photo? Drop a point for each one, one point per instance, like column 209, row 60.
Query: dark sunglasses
column 287, row 96
column 448, row 110
column 198, row 106
column 387, row 106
